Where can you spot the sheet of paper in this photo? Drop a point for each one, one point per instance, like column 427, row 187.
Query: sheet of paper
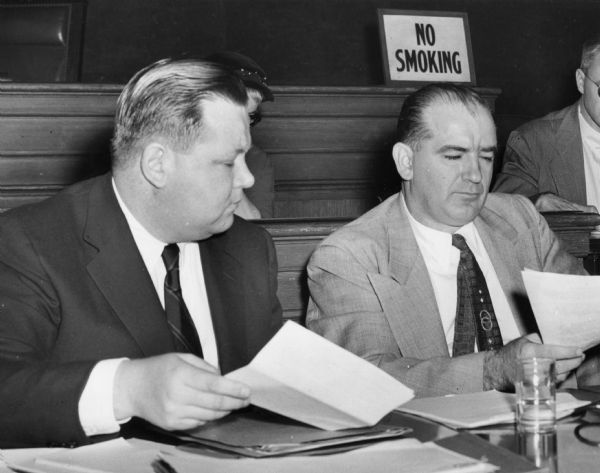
column 113, row 456
column 406, row 456
column 471, row 410
column 301, row 375
column 18, row 456
column 566, row 307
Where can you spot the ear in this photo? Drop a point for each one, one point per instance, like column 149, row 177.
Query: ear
column 403, row 158
column 155, row 163
column 580, row 80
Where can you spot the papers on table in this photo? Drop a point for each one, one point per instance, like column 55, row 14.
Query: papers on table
column 471, row 410
column 121, row 456
column 400, row 456
column 113, row 456
column 301, row 375
column 259, row 433
column 566, row 307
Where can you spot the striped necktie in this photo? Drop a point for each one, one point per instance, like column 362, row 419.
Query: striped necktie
column 180, row 322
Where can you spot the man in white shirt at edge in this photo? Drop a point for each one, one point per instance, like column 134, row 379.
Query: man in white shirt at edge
column 85, row 343
column 385, row 286
column 555, row 160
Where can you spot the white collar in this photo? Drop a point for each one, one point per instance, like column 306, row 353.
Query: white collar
column 437, row 243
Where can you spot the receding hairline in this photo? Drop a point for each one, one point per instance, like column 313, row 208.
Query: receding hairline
column 473, row 107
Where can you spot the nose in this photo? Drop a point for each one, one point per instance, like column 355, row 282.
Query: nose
column 472, row 170
column 243, row 177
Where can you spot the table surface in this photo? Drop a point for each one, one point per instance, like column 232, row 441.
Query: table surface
column 498, row 444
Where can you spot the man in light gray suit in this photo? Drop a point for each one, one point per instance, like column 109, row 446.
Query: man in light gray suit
column 385, row 286
column 553, row 160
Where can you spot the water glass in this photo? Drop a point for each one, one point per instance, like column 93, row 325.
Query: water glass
column 539, row 448
column 536, row 395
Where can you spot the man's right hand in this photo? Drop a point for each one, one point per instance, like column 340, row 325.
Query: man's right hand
column 548, row 202
column 500, row 367
column 175, row 391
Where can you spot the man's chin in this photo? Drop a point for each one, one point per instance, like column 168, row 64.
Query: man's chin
column 223, row 224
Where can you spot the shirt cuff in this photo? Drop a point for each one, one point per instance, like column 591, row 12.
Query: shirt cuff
column 96, row 411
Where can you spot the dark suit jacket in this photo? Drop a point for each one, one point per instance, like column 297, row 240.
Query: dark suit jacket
column 74, row 290
column 545, row 155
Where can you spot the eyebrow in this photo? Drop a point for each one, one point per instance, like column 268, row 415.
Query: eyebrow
column 486, row 149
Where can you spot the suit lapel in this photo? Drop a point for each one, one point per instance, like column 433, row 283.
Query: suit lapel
column 120, row 274
column 571, row 184
column 406, row 293
column 224, row 280
column 500, row 239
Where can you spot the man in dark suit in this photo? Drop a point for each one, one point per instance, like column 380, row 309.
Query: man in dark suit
column 93, row 328
column 553, row 160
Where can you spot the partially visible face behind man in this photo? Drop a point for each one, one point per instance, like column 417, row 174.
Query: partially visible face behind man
column 452, row 168
column 208, row 179
column 589, row 90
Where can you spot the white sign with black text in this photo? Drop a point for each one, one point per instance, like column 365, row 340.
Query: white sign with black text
column 426, row 47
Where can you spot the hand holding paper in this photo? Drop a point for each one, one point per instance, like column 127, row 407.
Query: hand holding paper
column 301, row 375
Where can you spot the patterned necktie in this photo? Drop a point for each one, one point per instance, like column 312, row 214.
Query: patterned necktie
column 475, row 317
column 180, row 322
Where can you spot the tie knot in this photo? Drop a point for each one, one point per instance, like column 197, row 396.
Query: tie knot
column 170, row 256
column 459, row 242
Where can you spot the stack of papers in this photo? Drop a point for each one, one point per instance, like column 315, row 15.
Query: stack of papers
column 121, row 456
column 566, row 307
column 472, row 410
column 260, row 434
column 301, row 375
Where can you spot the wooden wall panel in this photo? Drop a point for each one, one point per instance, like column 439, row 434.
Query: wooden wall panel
column 330, row 146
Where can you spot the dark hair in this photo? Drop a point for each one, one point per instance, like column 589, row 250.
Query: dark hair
column 589, row 49
column 165, row 100
column 412, row 127
column 247, row 69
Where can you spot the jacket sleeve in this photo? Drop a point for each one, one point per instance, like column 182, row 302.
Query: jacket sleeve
column 38, row 395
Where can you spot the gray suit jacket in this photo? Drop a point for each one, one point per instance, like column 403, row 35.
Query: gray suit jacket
column 545, row 155
column 371, row 292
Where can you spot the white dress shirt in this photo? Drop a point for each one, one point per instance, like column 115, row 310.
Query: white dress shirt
column 590, row 142
column 441, row 260
column 96, row 412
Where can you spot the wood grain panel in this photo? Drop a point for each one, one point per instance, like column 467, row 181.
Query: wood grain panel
column 330, row 145
column 57, row 134
column 43, row 170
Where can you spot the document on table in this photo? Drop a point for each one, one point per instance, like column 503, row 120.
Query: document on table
column 113, row 456
column 401, row 456
column 301, row 375
column 259, row 433
column 566, row 307
column 122, row 456
column 472, row 410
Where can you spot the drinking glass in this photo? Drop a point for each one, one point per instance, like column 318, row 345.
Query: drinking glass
column 536, row 411
column 536, row 395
